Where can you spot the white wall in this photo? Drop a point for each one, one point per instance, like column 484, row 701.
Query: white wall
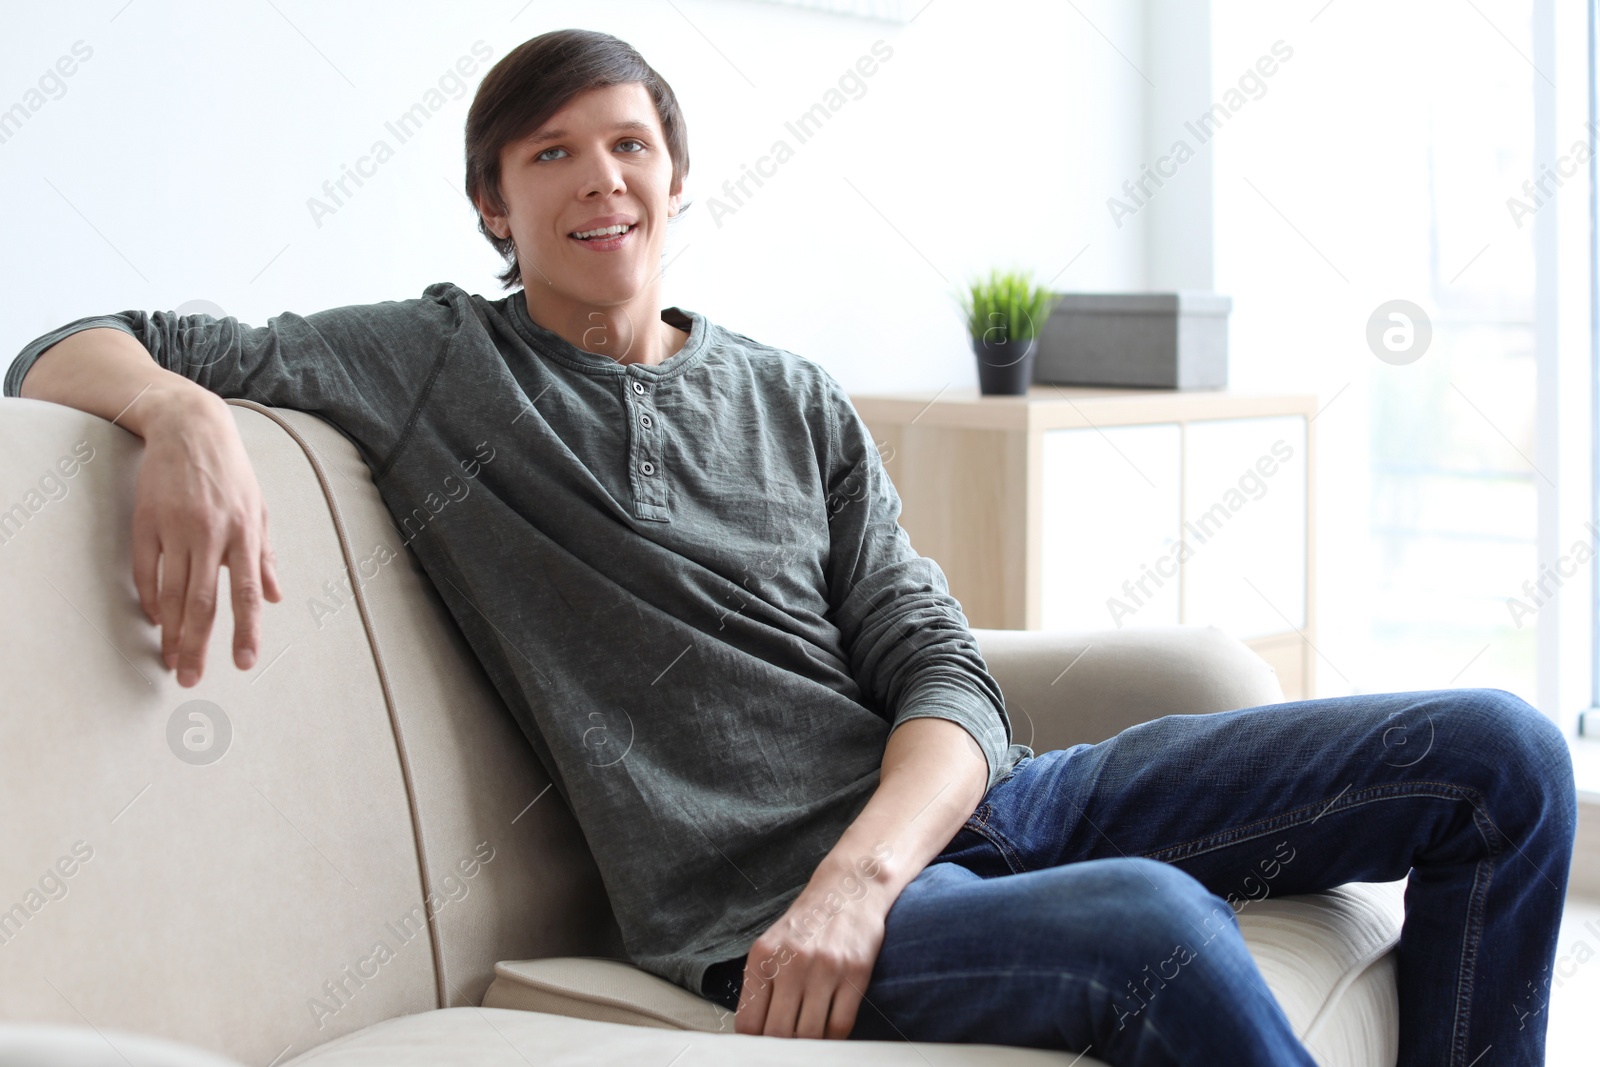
column 1179, row 244
column 178, row 162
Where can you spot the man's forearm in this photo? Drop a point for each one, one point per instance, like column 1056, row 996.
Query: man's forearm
column 933, row 777
column 108, row 373
column 934, row 774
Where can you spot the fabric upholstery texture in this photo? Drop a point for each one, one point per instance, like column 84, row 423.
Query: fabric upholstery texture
column 603, row 990
column 505, row 1038
column 376, row 836
column 52, row 1045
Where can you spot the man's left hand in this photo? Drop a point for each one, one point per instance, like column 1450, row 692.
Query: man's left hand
column 807, row 974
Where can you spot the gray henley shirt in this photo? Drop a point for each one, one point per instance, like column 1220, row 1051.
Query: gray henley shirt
column 687, row 581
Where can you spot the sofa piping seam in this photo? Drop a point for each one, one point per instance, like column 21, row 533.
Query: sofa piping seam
column 401, row 751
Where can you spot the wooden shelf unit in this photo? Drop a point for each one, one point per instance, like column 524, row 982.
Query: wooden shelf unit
column 1114, row 481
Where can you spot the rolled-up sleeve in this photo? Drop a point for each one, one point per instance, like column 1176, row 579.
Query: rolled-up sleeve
column 360, row 367
column 910, row 648
column 37, row 347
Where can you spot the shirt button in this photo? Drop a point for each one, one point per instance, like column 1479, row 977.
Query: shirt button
column 638, row 387
column 644, row 420
column 647, row 467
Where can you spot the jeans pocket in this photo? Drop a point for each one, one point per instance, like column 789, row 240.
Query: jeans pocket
column 971, row 848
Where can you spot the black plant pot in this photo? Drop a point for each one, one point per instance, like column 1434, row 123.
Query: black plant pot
column 1005, row 368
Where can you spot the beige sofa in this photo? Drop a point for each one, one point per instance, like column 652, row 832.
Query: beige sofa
column 349, row 855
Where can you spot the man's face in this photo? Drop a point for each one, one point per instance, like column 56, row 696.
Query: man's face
column 601, row 159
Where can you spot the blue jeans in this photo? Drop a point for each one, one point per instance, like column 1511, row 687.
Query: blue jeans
column 1085, row 905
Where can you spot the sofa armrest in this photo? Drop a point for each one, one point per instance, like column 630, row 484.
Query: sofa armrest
column 1064, row 687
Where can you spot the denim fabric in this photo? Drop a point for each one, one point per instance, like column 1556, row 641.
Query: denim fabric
column 1088, row 904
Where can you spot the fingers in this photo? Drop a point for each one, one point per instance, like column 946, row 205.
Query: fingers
column 146, row 554
column 174, row 583
column 754, row 997
column 846, row 1005
column 199, row 611
column 244, row 560
column 817, row 996
column 825, row 1008
column 812, row 1020
column 784, row 1009
column 269, row 563
column 178, row 590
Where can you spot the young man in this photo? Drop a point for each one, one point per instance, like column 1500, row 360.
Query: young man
column 683, row 572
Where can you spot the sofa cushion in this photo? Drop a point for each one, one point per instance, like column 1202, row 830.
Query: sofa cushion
column 1325, row 957
column 53, row 1045
column 603, row 990
column 500, row 1037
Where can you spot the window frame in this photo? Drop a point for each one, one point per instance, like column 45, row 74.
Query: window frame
column 1567, row 354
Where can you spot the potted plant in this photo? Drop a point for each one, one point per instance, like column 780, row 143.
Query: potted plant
column 1004, row 314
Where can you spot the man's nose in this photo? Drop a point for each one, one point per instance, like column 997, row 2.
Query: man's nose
column 603, row 174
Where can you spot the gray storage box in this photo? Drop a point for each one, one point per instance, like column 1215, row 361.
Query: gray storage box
column 1164, row 340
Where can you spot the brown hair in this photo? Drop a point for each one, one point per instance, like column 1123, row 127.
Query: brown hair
column 535, row 80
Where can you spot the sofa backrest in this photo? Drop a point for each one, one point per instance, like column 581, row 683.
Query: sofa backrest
column 354, row 829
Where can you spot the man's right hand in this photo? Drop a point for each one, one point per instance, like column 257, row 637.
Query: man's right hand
column 198, row 507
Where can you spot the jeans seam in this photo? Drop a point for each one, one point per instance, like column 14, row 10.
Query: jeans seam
column 1263, row 827
column 1477, row 900
column 1471, row 936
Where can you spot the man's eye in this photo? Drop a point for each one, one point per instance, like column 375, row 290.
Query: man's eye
column 540, row 157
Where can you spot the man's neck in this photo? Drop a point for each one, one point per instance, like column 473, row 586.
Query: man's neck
column 625, row 333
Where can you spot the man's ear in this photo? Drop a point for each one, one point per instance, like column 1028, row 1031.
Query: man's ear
column 675, row 198
column 495, row 221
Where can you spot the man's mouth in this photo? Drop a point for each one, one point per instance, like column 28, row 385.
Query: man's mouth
column 606, row 237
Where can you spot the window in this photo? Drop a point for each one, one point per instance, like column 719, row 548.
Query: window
column 1380, row 167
